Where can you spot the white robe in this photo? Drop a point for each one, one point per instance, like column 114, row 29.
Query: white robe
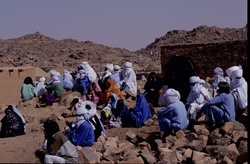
column 129, row 77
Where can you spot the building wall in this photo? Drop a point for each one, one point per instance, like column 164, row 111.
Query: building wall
column 208, row 56
column 11, row 81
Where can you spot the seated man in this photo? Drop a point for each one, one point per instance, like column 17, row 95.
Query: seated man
column 221, row 108
column 137, row 116
column 174, row 116
column 59, row 148
column 197, row 97
column 80, row 132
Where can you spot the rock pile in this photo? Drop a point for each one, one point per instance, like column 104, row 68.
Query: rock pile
column 227, row 144
column 198, row 144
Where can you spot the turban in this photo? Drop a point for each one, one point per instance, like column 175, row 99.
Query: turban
column 218, row 71
column 202, row 81
column 194, row 79
column 54, row 72
column 231, row 69
column 117, row 67
column 42, row 79
column 82, row 71
column 109, row 67
column 127, row 65
column 171, row 96
column 86, row 110
column 65, row 71
column 55, row 78
column 237, row 73
column 85, row 63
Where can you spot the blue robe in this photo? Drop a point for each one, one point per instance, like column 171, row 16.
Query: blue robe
column 82, row 85
column 173, row 117
column 137, row 116
column 83, row 135
column 141, row 111
column 220, row 109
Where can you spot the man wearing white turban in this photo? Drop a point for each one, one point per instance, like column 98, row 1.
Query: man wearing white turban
column 86, row 110
column 129, row 78
column 116, row 75
column 89, row 71
column 197, row 97
column 238, row 85
column 40, row 88
column 54, row 90
column 80, row 132
column 67, row 79
column 174, row 116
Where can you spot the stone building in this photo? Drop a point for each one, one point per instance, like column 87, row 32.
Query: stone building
column 207, row 56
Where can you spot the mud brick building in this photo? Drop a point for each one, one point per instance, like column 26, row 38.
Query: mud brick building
column 11, row 81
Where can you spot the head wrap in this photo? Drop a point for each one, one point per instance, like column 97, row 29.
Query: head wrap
column 231, row 69
column 218, row 71
column 55, row 78
column 237, row 73
column 54, row 72
column 82, row 73
column 117, row 67
column 110, row 67
column 194, row 79
column 127, row 65
column 42, row 79
column 65, row 71
column 171, row 96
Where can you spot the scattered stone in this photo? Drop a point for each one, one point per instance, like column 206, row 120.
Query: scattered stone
column 144, row 144
column 147, row 156
column 226, row 160
column 180, row 134
column 201, row 130
column 87, row 155
column 131, row 136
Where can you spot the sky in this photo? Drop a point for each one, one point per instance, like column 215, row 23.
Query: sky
column 129, row 24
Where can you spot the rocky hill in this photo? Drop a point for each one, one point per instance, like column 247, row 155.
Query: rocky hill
column 48, row 53
column 200, row 34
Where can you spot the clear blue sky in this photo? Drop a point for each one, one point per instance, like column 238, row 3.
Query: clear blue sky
column 129, row 24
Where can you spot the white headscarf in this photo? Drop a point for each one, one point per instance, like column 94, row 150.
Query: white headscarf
column 82, row 73
column 129, row 77
column 194, row 79
column 84, row 112
column 231, row 69
column 54, row 76
column 218, row 76
column 55, row 79
column 89, row 71
column 171, row 96
column 239, row 84
column 195, row 93
column 110, row 67
column 67, row 77
column 42, row 80
column 117, row 67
